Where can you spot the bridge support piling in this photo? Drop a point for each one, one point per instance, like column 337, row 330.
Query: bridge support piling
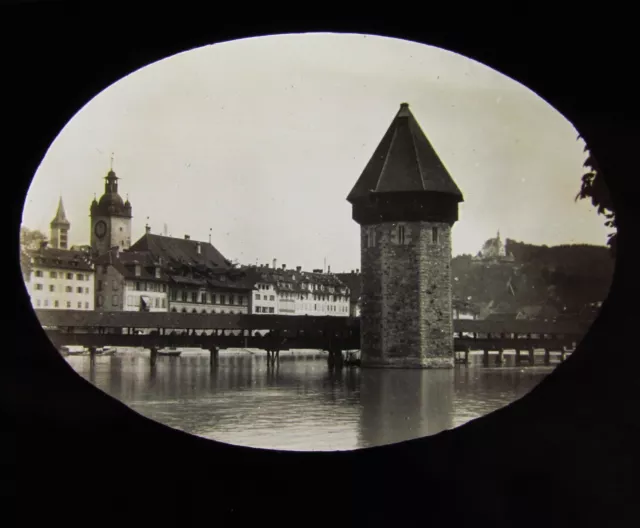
column 485, row 357
column 213, row 356
column 335, row 358
column 518, row 357
column 532, row 358
column 500, row 359
column 92, row 352
column 273, row 356
column 547, row 357
column 153, row 356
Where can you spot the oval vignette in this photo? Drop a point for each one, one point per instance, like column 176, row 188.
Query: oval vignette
column 216, row 182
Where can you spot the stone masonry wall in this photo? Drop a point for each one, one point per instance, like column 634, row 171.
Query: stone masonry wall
column 406, row 317
column 436, row 311
column 400, row 275
column 371, row 300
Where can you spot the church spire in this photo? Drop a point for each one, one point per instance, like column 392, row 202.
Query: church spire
column 60, row 228
column 61, row 218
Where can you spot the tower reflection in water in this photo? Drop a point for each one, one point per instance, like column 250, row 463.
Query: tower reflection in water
column 400, row 405
column 300, row 403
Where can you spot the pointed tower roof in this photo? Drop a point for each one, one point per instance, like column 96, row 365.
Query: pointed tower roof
column 404, row 161
column 60, row 220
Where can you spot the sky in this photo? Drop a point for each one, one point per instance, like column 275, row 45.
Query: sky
column 259, row 141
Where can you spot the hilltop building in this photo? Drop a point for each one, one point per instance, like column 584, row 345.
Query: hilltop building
column 406, row 202
column 60, row 278
column 494, row 251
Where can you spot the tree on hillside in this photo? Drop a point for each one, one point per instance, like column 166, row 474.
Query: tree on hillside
column 30, row 239
column 595, row 188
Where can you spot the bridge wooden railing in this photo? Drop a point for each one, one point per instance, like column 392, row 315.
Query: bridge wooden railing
column 78, row 319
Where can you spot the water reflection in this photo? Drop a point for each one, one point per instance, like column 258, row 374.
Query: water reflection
column 299, row 403
column 399, row 405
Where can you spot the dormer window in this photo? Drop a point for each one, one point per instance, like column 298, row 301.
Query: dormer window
column 157, row 272
column 138, row 270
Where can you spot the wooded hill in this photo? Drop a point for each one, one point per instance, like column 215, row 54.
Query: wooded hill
column 566, row 277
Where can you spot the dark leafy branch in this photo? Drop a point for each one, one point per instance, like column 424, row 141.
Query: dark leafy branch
column 595, row 188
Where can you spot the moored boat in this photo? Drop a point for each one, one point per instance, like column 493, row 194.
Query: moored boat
column 169, row 351
column 73, row 350
column 106, row 351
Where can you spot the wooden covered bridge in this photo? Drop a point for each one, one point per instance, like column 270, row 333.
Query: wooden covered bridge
column 273, row 333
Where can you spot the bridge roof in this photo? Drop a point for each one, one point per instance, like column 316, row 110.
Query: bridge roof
column 196, row 321
column 81, row 318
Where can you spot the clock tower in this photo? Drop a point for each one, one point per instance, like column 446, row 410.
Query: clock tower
column 110, row 218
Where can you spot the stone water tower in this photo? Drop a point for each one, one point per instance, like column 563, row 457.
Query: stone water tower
column 406, row 203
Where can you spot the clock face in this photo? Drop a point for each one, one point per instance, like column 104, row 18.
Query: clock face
column 100, row 229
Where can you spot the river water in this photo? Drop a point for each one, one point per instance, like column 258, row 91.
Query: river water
column 300, row 404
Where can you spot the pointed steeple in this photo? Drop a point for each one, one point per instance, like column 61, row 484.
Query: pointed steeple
column 60, row 220
column 404, row 161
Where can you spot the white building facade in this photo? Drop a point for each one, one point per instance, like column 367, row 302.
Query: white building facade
column 60, row 279
column 296, row 292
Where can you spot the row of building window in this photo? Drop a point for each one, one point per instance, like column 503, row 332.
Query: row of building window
column 269, row 309
column 301, row 297
column 68, row 289
column 147, row 286
column 203, row 311
column 62, row 275
column 370, row 236
column 207, row 298
column 56, row 304
column 158, row 302
column 289, row 286
column 320, row 308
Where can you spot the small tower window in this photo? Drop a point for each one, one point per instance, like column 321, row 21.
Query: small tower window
column 401, row 235
column 371, row 236
column 434, row 235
